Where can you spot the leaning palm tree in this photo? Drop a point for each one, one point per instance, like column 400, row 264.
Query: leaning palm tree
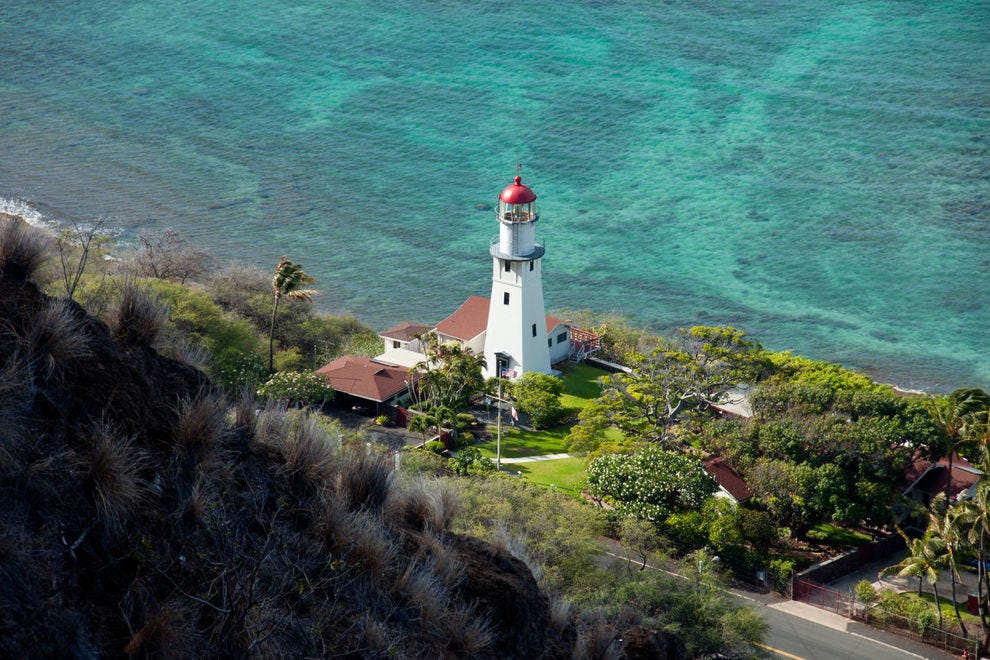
column 288, row 281
column 925, row 558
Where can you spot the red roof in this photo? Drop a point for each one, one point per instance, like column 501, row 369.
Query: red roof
column 728, row 478
column 406, row 331
column 517, row 193
column 553, row 322
column 365, row 378
column 928, row 477
column 469, row 321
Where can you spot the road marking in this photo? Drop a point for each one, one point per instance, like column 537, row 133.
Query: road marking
column 778, row 651
column 889, row 646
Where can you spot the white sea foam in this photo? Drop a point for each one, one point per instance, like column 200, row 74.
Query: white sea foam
column 24, row 209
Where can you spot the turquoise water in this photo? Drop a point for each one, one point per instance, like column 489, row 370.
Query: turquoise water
column 815, row 173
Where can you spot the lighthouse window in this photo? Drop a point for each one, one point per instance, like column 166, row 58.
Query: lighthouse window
column 531, row 264
column 561, row 338
column 508, row 266
column 550, row 342
column 505, row 298
column 534, row 329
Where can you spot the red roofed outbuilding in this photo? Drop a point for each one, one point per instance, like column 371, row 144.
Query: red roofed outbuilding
column 366, row 381
column 731, row 485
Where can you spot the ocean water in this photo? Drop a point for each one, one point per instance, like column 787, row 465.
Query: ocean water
column 815, row 173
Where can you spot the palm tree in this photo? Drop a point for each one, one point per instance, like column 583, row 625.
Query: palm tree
column 943, row 523
column 288, row 281
column 956, row 414
column 420, row 423
column 925, row 557
column 450, row 375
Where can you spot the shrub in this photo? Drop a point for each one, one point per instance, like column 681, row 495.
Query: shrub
column 470, row 461
column 382, row 420
column 865, row 592
column 651, row 484
column 139, row 317
column 23, row 249
column 297, row 387
column 781, row 570
column 538, row 395
column 435, row 446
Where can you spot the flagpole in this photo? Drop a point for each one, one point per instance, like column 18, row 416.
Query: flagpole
column 498, row 436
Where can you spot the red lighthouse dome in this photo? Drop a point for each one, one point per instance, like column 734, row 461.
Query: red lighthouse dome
column 517, row 193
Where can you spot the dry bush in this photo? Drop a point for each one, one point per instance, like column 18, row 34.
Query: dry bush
column 308, row 451
column 272, row 425
column 55, row 338
column 596, row 639
column 245, row 410
column 467, row 634
column 23, row 249
column 139, row 316
column 110, row 469
column 368, row 544
column 422, row 505
column 200, row 425
column 364, row 478
column 421, row 589
column 170, row 632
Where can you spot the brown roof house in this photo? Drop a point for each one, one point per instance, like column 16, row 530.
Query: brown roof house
column 731, row 485
column 925, row 479
column 366, row 383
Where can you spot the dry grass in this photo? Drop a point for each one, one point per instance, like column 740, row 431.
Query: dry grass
column 365, row 480
column 139, row 316
column 55, row 338
column 200, row 425
column 466, row 633
column 23, row 249
column 369, row 545
column 308, row 451
column 428, row 506
column 110, row 467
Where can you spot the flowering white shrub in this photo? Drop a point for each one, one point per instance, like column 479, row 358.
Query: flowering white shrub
column 304, row 387
column 650, row 484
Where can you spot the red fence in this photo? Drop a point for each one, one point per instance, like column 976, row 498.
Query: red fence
column 823, row 597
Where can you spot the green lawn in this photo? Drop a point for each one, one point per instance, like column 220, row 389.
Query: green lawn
column 580, row 385
column 565, row 474
column 517, row 443
column 836, row 536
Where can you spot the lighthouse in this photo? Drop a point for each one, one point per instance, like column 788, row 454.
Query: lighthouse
column 516, row 339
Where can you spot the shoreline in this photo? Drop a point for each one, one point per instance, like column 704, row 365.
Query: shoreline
column 30, row 213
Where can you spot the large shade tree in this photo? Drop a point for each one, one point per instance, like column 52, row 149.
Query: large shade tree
column 692, row 371
column 288, row 281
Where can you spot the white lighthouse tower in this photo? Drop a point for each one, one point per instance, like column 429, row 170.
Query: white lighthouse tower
column 516, row 339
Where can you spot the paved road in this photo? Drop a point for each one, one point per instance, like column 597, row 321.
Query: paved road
column 799, row 631
column 791, row 635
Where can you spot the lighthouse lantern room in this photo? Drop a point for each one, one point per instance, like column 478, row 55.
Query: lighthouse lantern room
column 516, row 339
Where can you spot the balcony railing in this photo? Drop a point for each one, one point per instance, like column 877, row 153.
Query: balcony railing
column 494, row 248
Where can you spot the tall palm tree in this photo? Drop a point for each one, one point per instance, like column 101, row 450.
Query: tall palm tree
column 942, row 523
column 925, row 558
column 287, row 282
